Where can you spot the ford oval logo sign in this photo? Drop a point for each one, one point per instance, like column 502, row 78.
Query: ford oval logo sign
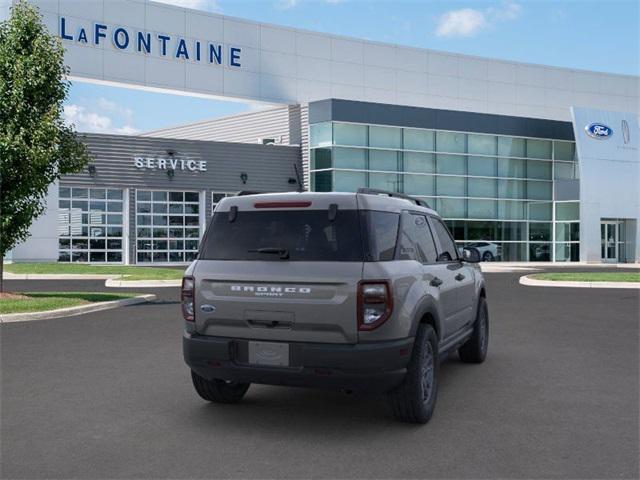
column 599, row 131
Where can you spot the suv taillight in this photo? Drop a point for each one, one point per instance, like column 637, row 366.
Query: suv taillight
column 186, row 297
column 375, row 303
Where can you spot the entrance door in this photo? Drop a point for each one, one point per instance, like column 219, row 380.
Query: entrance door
column 609, row 241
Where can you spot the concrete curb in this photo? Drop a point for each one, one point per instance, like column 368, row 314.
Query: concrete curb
column 116, row 283
column 533, row 282
column 71, row 311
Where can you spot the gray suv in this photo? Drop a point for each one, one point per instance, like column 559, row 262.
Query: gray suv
column 356, row 291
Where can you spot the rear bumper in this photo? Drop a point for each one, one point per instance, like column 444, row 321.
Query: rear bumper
column 370, row 367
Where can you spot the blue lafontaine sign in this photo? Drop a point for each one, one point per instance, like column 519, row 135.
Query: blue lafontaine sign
column 157, row 43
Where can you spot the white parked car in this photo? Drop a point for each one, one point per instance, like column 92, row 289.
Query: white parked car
column 489, row 251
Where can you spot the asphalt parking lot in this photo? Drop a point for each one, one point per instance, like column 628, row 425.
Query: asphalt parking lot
column 107, row 395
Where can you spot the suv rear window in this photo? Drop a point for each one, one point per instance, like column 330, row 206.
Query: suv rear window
column 292, row 235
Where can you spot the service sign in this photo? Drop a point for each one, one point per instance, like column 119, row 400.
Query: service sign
column 171, row 163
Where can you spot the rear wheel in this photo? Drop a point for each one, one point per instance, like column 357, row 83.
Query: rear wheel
column 474, row 350
column 219, row 391
column 414, row 400
column 487, row 257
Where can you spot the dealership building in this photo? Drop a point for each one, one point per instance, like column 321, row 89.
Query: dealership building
column 528, row 162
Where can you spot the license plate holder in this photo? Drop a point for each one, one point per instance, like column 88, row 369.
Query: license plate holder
column 269, row 353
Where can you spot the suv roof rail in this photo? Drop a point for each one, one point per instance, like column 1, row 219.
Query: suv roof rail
column 375, row 191
column 242, row 193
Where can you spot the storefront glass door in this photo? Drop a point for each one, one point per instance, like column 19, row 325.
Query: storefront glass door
column 609, row 241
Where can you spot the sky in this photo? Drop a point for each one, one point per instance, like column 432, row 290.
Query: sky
column 600, row 35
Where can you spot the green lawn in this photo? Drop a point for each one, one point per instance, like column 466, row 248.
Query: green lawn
column 128, row 272
column 42, row 301
column 590, row 276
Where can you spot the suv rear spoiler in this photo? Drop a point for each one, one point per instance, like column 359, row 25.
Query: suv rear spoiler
column 375, row 191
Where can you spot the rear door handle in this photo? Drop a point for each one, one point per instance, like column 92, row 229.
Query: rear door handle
column 459, row 277
column 436, row 282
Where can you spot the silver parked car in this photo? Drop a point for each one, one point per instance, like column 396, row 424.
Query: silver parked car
column 355, row 291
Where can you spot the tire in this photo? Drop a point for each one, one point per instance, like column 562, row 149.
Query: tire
column 219, row 391
column 409, row 402
column 487, row 257
column 474, row 350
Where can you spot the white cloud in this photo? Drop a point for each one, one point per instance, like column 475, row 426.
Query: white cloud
column 86, row 120
column 208, row 5
column 467, row 22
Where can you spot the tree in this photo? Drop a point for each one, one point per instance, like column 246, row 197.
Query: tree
column 36, row 147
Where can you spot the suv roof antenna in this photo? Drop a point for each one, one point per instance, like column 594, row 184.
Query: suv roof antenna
column 375, row 191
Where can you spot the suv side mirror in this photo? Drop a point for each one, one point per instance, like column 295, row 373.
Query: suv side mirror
column 471, row 255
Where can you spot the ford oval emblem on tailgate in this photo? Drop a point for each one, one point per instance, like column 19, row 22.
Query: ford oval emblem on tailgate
column 207, row 308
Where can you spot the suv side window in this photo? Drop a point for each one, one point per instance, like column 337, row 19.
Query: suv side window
column 415, row 241
column 448, row 251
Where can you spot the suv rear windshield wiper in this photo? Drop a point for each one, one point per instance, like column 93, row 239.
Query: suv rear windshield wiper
column 283, row 252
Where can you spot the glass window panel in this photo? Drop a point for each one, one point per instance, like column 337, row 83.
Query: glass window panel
column 539, row 252
column 159, row 233
column 419, row 162
column 160, row 244
column 511, row 147
column 98, row 193
column 539, row 232
column 82, row 256
column 511, row 189
column 97, row 244
column 350, row 158
column 114, row 194
column 512, row 231
column 453, row 164
column 419, row 184
column 483, row 209
column 564, row 150
column 160, row 196
column 114, row 207
column 80, row 204
column 191, row 220
column 539, row 169
column 176, row 244
column 191, row 244
column 160, row 220
column 144, row 219
column 80, row 243
column 538, row 148
column 385, row 137
column 159, row 256
column 539, row 190
column 452, row 207
column 176, row 232
column 190, row 256
column 347, row 134
column 161, row 207
column 97, row 206
column 64, row 192
column 193, row 197
column 567, row 232
column 565, row 171
column 384, row 181
column 322, row 181
column 144, row 232
column 114, row 219
column 484, row 166
column 216, row 197
column 510, row 210
column 483, row 144
column 456, row 227
column 514, row 252
column 454, row 186
column 415, row 139
column 349, row 181
column 114, row 256
column 511, row 167
column 143, row 207
column 191, row 233
column 176, row 256
column 114, row 244
column 567, row 211
column 143, row 195
column 64, row 243
column 64, row 204
column 64, row 256
column 320, row 158
column 539, row 211
column 114, row 231
column 567, row 252
column 483, row 187
column 97, row 256
column 176, row 220
column 173, row 196
column 192, row 208
column 96, row 218
column 320, row 134
column 175, row 208
column 383, row 160
column 97, row 231
column 80, row 192
column 481, row 230
column 451, row 142
column 144, row 257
